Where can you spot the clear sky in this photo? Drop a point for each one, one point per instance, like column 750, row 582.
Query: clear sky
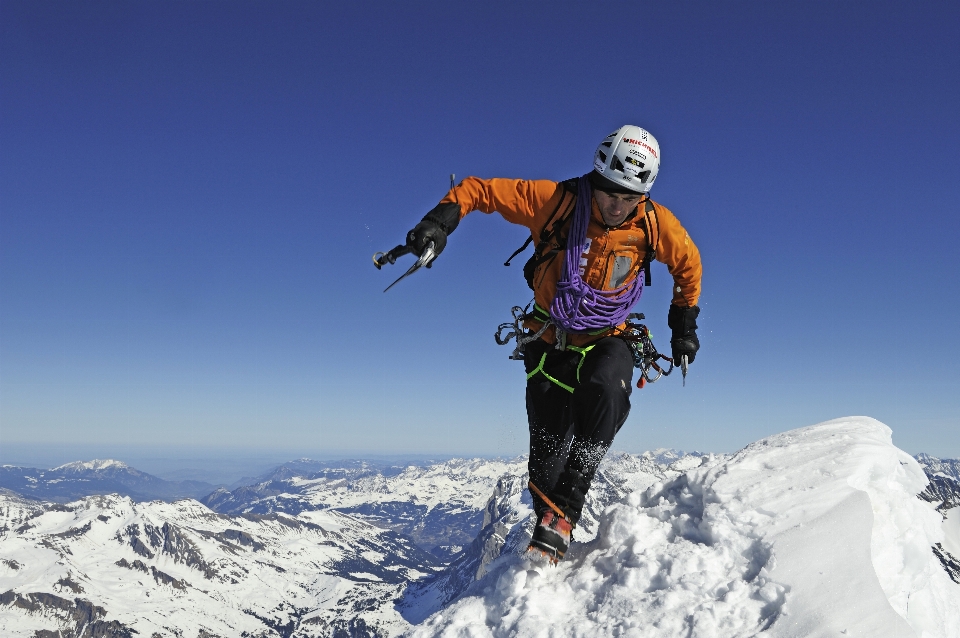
column 190, row 194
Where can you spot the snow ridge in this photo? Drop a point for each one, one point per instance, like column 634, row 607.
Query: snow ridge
column 815, row 531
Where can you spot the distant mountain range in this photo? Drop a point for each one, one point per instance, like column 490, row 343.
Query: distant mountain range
column 309, row 549
column 75, row 480
column 317, row 540
column 944, row 487
column 439, row 506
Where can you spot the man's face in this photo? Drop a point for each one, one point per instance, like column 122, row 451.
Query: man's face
column 614, row 207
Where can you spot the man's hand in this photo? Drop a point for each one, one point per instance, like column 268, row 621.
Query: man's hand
column 434, row 227
column 683, row 323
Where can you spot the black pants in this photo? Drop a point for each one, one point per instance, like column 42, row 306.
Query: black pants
column 573, row 430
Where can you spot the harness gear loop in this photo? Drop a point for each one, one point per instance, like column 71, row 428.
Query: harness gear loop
column 517, row 331
column 645, row 355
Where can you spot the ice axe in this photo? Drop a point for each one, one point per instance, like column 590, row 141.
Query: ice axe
column 390, row 257
column 427, row 256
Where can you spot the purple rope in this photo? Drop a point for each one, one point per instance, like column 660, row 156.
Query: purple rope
column 577, row 307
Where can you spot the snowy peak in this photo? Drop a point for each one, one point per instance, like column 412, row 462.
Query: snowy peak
column 945, row 467
column 97, row 465
column 102, row 476
column 666, row 456
column 815, row 531
column 439, row 505
column 944, row 488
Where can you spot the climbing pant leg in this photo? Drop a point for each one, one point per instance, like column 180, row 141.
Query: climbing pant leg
column 570, row 431
column 601, row 403
column 549, row 416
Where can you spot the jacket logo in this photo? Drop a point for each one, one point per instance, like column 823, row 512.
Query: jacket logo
column 583, row 258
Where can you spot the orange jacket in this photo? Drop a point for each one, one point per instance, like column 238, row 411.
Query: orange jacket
column 613, row 255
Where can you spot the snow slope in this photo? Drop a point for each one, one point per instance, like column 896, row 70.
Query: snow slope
column 951, row 531
column 116, row 566
column 508, row 517
column 439, row 505
column 106, row 566
column 813, row 532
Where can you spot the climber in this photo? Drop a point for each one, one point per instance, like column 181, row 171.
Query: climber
column 595, row 236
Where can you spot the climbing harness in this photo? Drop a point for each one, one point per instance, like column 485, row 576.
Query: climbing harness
column 543, row 359
column 646, row 357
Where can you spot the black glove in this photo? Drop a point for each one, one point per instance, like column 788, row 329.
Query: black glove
column 683, row 323
column 434, row 227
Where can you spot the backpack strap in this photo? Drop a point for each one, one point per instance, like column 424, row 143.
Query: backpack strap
column 569, row 186
column 548, row 233
column 651, row 226
column 518, row 250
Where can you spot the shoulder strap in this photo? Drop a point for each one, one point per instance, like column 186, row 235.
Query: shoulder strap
column 650, row 223
column 569, row 186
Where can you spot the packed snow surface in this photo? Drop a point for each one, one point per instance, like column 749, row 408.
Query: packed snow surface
column 813, row 532
column 951, row 531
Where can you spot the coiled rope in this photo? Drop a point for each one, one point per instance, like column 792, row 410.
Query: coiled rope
column 577, row 307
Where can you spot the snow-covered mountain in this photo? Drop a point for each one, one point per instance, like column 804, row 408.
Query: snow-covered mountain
column 327, row 571
column 106, row 566
column 944, row 487
column 934, row 466
column 440, row 506
column 85, row 478
column 813, row 532
column 508, row 519
column 943, row 492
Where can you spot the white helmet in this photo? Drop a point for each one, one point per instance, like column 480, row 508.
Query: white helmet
column 630, row 158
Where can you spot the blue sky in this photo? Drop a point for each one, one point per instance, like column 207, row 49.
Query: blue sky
column 190, row 194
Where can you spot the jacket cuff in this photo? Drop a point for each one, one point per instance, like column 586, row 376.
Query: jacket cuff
column 446, row 216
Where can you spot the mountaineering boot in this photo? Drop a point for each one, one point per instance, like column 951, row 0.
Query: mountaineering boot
column 551, row 536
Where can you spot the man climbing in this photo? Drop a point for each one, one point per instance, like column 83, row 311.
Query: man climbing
column 594, row 237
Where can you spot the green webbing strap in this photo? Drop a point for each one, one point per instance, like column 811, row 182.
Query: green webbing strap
column 539, row 314
column 583, row 355
column 540, row 369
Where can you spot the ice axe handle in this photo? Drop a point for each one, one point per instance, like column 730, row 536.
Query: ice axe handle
column 382, row 259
